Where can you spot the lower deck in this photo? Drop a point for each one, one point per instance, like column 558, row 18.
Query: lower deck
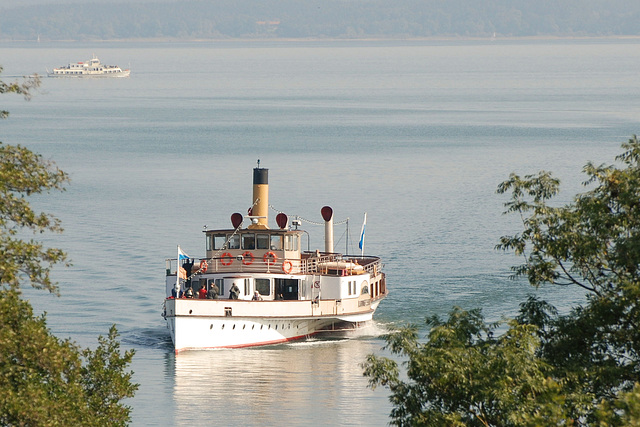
column 176, row 307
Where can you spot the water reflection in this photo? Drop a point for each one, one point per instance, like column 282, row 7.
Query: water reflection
column 317, row 382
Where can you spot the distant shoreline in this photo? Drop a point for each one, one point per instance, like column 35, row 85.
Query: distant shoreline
column 328, row 39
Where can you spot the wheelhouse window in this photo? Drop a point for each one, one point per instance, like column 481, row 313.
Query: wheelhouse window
column 291, row 242
column 234, row 242
column 262, row 241
column 218, row 241
column 248, row 241
column 276, row 242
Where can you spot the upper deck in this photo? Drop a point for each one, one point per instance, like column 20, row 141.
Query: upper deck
column 273, row 262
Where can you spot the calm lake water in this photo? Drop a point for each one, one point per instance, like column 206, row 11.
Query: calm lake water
column 416, row 134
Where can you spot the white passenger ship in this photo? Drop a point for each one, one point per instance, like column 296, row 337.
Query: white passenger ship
column 284, row 293
column 91, row 68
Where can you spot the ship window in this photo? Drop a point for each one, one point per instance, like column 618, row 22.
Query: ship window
column 248, row 241
column 263, row 286
column 276, row 242
column 365, row 290
column 287, row 289
column 218, row 241
column 247, row 289
column 220, row 285
column 234, row 242
column 262, row 241
column 291, row 242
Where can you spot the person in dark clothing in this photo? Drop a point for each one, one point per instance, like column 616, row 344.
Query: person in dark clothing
column 213, row 291
column 234, row 292
column 188, row 265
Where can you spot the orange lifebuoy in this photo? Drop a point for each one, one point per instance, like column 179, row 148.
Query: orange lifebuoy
column 203, row 265
column 226, row 255
column 270, row 258
column 288, row 267
column 247, row 258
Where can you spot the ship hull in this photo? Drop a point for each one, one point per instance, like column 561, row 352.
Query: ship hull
column 126, row 73
column 193, row 324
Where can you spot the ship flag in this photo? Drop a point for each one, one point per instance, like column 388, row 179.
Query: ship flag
column 361, row 243
column 181, row 254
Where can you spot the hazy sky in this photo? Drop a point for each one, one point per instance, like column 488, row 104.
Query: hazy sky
column 18, row 3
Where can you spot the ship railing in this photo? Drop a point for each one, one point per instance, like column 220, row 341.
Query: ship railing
column 238, row 264
column 317, row 264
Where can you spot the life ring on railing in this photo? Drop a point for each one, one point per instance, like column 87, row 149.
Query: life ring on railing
column 247, row 258
column 226, row 255
column 203, row 265
column 287, row 266
column 270, row 258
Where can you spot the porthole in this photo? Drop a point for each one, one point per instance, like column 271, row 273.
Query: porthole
column 222, row 326
column 211, row 326
column 253, row 326
column 234, row 326
column 244, row 326
column 261, row 326
column 190, row 311
column 276, row 327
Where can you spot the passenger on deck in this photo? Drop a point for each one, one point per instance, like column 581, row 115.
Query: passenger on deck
column 188, row 293
column 257, row 296
column 213, row 291
column 188, row 265
column 202, row 293
column 234, row 292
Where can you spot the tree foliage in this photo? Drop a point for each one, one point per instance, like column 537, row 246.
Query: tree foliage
column 579, row 368
column 465, row 375
column 23, row 89
column 45, row 380
column 23, row 174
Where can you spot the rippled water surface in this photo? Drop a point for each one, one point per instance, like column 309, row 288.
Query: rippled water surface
column 416, row 134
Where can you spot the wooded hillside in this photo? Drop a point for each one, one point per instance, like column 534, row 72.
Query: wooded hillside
column 198, row 19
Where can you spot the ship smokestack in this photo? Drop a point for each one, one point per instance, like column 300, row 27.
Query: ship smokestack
column 327, row 215
column 259, row 214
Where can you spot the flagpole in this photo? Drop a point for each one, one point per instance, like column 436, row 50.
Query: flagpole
column 177, row 287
